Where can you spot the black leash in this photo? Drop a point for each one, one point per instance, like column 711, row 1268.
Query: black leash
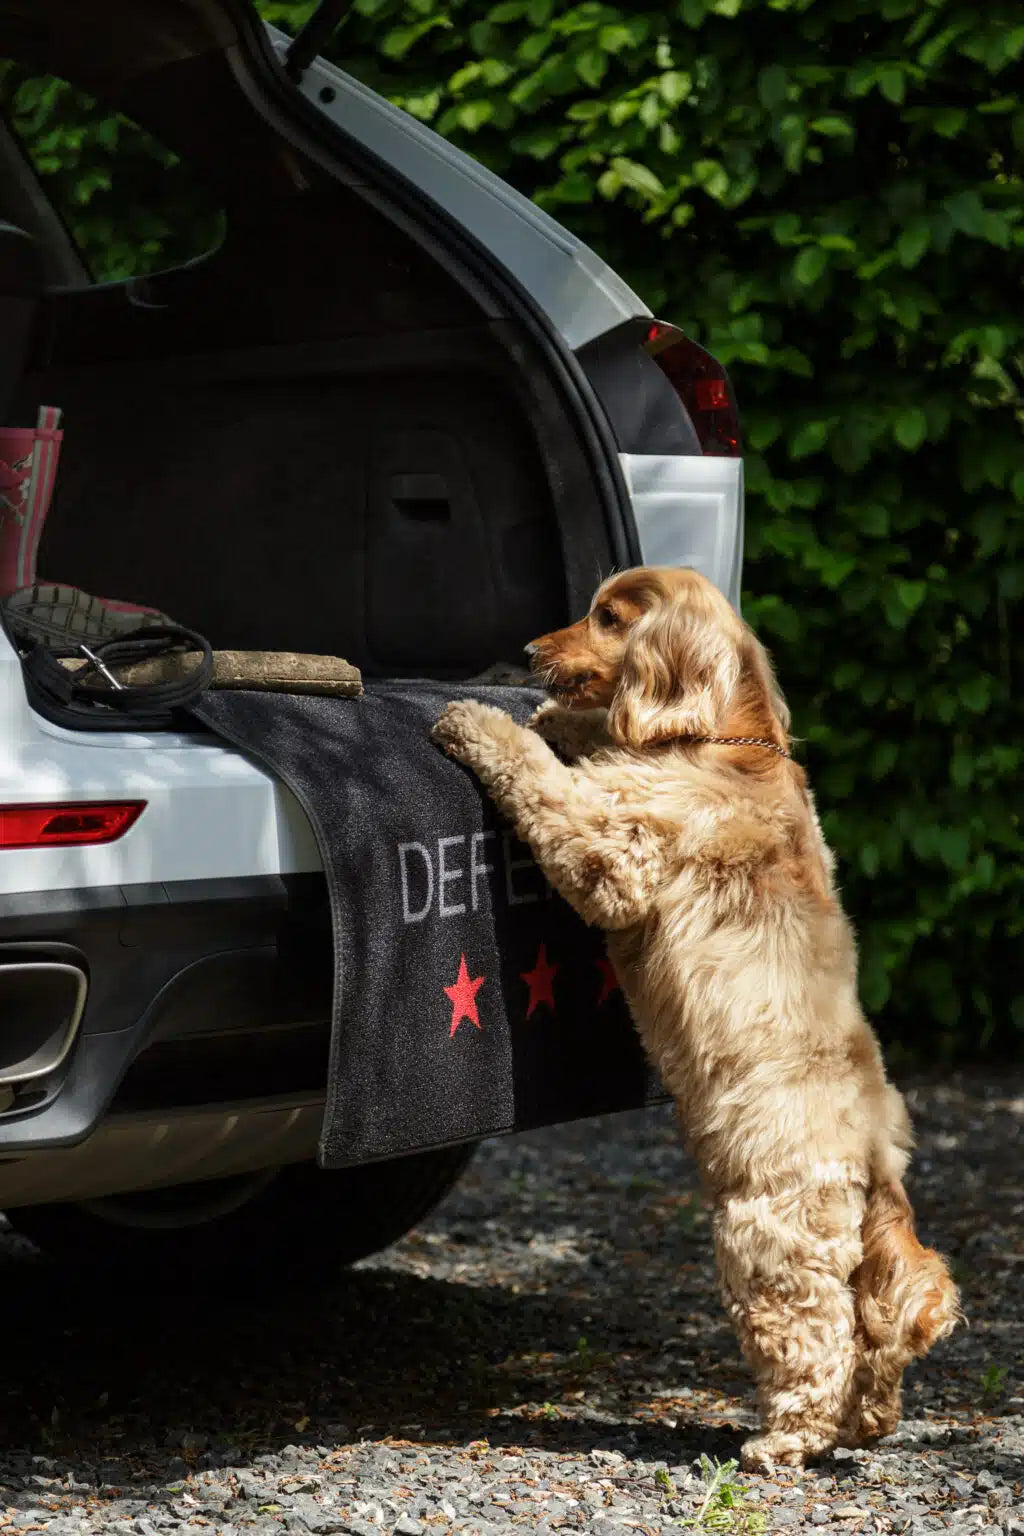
column 91, row 697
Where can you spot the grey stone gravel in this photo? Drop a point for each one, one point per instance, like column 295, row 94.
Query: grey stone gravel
column 545, row 1354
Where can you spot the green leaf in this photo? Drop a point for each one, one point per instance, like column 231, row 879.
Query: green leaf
column 953, row 846
column 577, row 187
column 836, row 243
column 764, row 430
column 883, row 759
column 713, row 177
column 792, row 134
column 612, row 39
column 675, row 86
column 911, row 594
column 810, row 438
column 973, row 694
column 847, row 673
column 622, row 110
column 809, row 265
column 832, row 127
column 650, row 111
column 996, row 230
column 591, row 66
column 530, row 51
column 639, row 177
column 913, row 242
column 773, row 86
column 398, row 42
column 961, row 768
column 474, row 114
column 948, row 121
column 874, row 520
column 911, row 428
column 875, row 988
column 1010, row 46
column 585, row 111
column 892, row 83
column 967, row 212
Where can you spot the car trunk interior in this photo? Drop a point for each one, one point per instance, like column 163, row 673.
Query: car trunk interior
column 317, row 437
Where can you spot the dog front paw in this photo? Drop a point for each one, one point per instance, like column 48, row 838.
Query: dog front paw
column 547, row 708
column 571, row 733
column 466, row 725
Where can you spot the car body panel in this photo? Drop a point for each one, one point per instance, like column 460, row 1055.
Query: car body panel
column 579, row 292
column 210, row 813
column 689, row 511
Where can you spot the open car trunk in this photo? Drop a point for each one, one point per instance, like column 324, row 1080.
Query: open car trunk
column 330, row 434
column 344, row 428
column 381, row 498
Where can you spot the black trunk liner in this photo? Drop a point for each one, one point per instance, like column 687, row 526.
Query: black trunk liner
column 449, row 1022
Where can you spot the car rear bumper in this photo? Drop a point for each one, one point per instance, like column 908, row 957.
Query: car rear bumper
column 151, row 1149
column 197, row 992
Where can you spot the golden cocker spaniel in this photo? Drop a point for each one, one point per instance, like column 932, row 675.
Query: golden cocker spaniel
column 682, row 827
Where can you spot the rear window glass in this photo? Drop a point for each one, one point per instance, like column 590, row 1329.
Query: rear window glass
column 130, row 204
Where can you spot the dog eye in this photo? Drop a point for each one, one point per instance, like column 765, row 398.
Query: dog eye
column 606, row 617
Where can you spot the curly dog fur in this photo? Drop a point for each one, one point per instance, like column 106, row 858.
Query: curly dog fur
column 705, row 864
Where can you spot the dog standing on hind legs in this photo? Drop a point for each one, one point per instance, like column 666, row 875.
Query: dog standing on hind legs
column 681, row 826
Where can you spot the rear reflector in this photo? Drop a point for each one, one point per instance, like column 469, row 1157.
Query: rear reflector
column 702, row 385
column 67, row 826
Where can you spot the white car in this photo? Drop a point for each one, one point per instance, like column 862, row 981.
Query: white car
column 399, row 415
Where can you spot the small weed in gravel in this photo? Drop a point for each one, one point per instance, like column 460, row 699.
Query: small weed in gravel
column 723, row 1508
column 664, row 1482
column 993, row 1382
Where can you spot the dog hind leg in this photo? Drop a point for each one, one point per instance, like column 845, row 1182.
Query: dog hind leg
column 785, row 1263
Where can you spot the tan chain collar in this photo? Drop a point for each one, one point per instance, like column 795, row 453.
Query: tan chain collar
column 734, row 741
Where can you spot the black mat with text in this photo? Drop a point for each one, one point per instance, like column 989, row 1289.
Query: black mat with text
column 468, row 998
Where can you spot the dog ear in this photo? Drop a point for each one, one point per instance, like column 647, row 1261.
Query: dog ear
column 680, row 668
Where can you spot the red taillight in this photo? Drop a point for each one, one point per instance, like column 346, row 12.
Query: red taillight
column 67, row 826
column 712, row 394
column 703, row 386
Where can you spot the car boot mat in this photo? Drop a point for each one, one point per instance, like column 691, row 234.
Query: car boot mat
column 469, row 999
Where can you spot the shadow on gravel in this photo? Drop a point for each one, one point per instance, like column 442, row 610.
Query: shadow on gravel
column 112, row 1383
column 115, row 1384
column 115, row 1387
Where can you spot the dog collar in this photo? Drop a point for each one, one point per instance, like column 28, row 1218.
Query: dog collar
column 735, row 741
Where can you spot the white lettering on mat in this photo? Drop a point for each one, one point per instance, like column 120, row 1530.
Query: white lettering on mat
column 445, row 876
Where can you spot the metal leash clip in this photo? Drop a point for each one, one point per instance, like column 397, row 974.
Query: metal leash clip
column 101, row 667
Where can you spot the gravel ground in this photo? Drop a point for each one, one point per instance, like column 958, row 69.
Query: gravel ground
column 546, row 1353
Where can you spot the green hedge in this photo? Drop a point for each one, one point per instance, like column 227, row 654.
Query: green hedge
column 827, row 193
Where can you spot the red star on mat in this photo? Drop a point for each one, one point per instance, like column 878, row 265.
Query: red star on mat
column 609, row 980
column 463, row 996
column 541, row 982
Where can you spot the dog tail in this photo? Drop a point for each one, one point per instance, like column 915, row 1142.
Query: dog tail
column 905, row 1300
column 905, row 1293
